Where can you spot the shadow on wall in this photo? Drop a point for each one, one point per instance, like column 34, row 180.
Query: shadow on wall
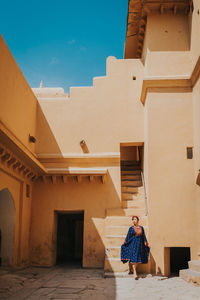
column 7, row 227
column 92, row 198
column 46, row 141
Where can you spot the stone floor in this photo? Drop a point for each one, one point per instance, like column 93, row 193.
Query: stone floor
column 64, row 282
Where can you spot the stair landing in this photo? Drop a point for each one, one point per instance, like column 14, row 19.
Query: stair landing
column 192, row 274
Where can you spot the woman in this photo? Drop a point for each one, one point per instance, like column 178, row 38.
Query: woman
column 135, row 248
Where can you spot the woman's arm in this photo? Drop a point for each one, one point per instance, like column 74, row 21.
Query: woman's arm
column 128, row 236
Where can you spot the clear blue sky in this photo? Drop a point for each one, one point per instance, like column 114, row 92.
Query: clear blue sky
column 63, row 42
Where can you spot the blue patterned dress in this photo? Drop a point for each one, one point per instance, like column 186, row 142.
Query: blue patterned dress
column 134, row 249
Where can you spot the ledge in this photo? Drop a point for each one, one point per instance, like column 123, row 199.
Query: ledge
column 170, row 85
column 8, row 138
column 64, row 175
column 77, row 171
column 79, row 159
column 16, row 167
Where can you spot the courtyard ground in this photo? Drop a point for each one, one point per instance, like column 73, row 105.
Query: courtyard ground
column 62, row 282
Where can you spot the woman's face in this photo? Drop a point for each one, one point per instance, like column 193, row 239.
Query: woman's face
column 135, row 221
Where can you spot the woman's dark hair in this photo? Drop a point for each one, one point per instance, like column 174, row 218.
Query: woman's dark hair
column 135, row 217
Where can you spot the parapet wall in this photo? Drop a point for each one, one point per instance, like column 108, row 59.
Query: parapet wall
column 103, row 115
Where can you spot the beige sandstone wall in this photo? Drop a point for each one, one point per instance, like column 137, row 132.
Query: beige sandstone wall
column 91, row 197
column 22, row 206
column 110, row 106
column 195, row 53
column 170, row 174
column 17, row 101
column 172, row 124
column 167, row 32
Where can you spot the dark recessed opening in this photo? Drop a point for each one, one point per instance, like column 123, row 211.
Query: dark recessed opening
column 179, row 257
column 32, row 139
column 0, row 249
column 189, row 152
column 70, row 238
column 134, row 77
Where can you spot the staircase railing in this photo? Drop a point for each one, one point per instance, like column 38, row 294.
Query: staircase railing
column 145, row 194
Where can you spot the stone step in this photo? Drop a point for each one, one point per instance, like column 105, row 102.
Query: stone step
column 131, row 183
column 133, row 172
column 190, row 276
column 115, row 240
column 131, row 177
column 119, row 230
column 125, row 212
column 123, row 221
column 130, row 168
column 194, row 265
column 129, row 189
column 113, row 251
column 116, row 275
column 133, row 204
column 129, row 196
column 115, row 265
column 129, row 162
column 133, row 197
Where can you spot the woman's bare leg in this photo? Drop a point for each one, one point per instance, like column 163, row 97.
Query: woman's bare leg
column 135, row 271
column 130, row 268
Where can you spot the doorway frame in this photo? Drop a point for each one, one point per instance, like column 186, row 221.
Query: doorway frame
column 55, row 228
column 167, row 258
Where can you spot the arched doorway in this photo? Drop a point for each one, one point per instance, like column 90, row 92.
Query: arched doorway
column 7, row 227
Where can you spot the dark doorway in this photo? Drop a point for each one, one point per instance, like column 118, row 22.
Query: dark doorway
column 179, row 257
column 7, row 228
column 70, row 238
column 0, row 248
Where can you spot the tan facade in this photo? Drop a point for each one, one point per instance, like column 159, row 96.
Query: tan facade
column 110, row 151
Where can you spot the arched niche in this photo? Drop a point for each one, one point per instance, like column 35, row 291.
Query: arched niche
column 7, row 227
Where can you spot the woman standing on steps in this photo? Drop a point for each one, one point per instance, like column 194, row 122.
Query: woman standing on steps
column 135, row 249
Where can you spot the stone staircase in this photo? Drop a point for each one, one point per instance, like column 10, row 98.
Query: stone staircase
column 193, row 273
column 118, row 220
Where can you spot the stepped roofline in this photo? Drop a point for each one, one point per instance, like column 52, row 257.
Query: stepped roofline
column 138, row 10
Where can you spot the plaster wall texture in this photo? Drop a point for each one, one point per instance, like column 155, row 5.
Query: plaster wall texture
column 166, row 49
column 166, row 64
column 195, row 51
column 92, row 198
column 112, row 105
column 22, row 212
column 17, row 101
column 171, row 122
column 196, row 124
column 7, row 227
column 195, row 32
column 14, row 188
column 172, row 34
column 170, row 174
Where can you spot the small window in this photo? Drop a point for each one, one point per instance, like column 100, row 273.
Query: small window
column 27, row 191
column 189, row 152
